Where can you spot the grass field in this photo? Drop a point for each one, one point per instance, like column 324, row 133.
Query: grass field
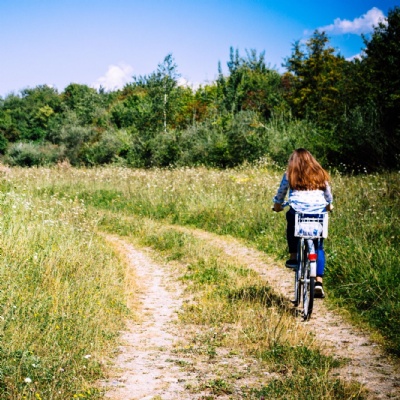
column 63, row 291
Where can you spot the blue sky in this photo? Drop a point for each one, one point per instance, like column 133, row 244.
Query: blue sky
column 106, row 42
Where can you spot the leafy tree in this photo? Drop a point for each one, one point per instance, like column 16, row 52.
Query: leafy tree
column 167, row 75
column 314, row 77
column 228, row 87
column 132, row 108
column 203, row 104
column 331, row 93
column 27, row 116
column 8, row 130
column 250, row 85
column 381, row 62
column 3, row 144
column 86, row 102
column 189, row 108
column 159, row 92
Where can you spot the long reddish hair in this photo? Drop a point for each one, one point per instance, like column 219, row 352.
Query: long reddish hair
column 305, row 172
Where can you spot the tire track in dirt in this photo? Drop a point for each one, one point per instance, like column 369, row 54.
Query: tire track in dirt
column 367, row 362
column 143, row 368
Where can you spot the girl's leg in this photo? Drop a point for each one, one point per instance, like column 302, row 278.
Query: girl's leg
column 291, row 239
column 321, row 259
column 319, row 290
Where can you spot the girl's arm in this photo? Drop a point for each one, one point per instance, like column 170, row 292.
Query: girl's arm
column 328, row 197
column 281, row 193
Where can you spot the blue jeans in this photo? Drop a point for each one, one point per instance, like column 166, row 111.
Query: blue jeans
column 293, row 241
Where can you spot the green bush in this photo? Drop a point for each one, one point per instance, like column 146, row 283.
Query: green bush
column 286, row 134
column 247, row 138
column 112, row 146
column 165, row 149
column 34, row 154
column 204, row 144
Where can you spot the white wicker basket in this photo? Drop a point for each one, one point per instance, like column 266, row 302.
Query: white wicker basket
column 311, row 227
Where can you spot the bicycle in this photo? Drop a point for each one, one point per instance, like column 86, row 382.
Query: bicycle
column 308, row 228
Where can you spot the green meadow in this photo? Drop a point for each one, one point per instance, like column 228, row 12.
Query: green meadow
column 64, row 291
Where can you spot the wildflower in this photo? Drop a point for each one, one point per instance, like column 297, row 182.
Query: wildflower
column 87, row 356
column 28, row 380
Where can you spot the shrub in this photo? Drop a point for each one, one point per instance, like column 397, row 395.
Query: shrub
column 247, row 138
column 204, row 144
column 34, row 154
column 111, row 146
column 165, row 149
column 287, row 134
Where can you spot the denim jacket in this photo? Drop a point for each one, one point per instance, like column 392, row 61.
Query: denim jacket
column 304, row 201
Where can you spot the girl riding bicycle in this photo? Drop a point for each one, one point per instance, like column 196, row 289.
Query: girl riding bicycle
column 309, row 193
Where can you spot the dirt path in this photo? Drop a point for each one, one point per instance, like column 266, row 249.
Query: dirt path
column 148, row 366
column 143, row 369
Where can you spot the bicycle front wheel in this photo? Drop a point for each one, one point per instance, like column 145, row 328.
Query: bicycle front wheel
column 308, row 291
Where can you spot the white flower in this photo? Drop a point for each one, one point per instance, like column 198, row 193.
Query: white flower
column 27, row 380
column 87, row 356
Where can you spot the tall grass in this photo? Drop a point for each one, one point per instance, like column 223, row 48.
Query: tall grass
column 363, row 265
column 61, row 297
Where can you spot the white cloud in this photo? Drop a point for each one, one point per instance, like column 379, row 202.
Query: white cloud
column 185, row 83
column 363, row 24
column 355, row 57
column 115, row 77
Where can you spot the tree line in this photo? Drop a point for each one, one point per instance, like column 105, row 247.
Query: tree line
column 345, row 112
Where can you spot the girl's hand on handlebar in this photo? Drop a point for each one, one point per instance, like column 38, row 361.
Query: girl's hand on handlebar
column 329, row 207
column 277, row 207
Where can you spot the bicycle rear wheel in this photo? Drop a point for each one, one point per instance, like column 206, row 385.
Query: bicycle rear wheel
column 298, row 274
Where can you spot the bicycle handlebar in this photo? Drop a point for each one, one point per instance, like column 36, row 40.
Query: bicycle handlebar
column 286, row 203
